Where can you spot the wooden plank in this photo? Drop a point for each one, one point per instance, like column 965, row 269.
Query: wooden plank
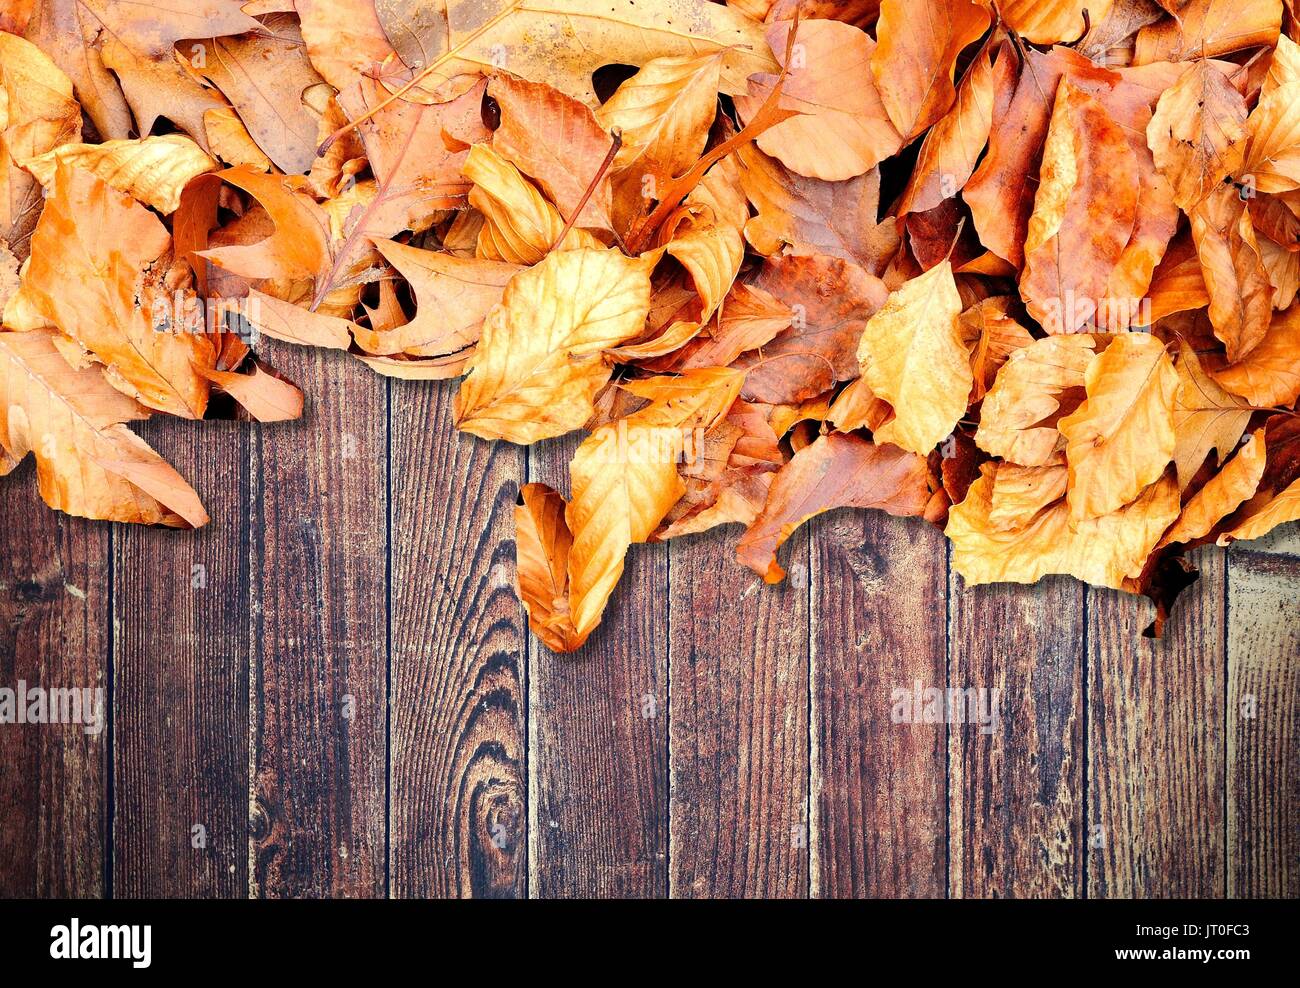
column 1016, row 794
column 319, row 681
column 738, row 734
column 1155, row 743
column 878, row 787
column 54, row 633
column 181, row 612
column 459, row 789
column 598, row 736
column 1264, row 717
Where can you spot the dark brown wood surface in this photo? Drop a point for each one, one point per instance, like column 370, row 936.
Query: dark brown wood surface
column 331, row 691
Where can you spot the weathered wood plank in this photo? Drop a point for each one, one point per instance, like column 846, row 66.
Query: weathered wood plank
column 598, row 736
column 1263, row 768
column 54, row 633
column 181, row 612
column 1156, row 745
column 738, row 731
column 458, row 792
column 878, row 787
column 320, row 680
column 1016, row 794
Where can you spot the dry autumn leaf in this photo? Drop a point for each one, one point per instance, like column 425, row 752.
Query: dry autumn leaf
column 1026, row 270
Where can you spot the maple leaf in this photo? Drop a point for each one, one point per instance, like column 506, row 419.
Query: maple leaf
column 136, row 41
column 265, row 76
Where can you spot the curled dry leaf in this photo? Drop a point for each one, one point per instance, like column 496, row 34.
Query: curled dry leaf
column 836, row 471
column 88, row 462
column 843, row 128
column 154, row 170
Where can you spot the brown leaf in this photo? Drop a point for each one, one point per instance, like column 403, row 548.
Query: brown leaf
column 832, row 301
column 1204, row 28
column 802, row 215
column 556, row 141
column 1084, row 213
column 951, row 149
column 1197, row 133
column 836, row 471
column 265, row 76
column 1122, row 437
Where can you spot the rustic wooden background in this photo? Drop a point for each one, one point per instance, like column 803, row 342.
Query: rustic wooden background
column 716, row 738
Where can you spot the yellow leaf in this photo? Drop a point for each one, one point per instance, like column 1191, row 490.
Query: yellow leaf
column 538, row 43
column 1016, row 419
column 1046, row 22
column 1197, row 133
column 1222, row 494
column 843, row 128
column 453, row 295
column 1270, row 374
column 520, row 226
column 1101, row 551
column 37, row 113
column 625, row 480
column 1122, row 437
column 153, row 170
column 1206, row 417
column 918, row 42
column 539, row 363
column 1019, row 493
column 913, row 357
column 1279, row 510
column 665, row 112
column 92, row 274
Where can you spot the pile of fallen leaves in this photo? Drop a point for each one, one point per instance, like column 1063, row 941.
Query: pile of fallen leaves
column 1072, row 339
